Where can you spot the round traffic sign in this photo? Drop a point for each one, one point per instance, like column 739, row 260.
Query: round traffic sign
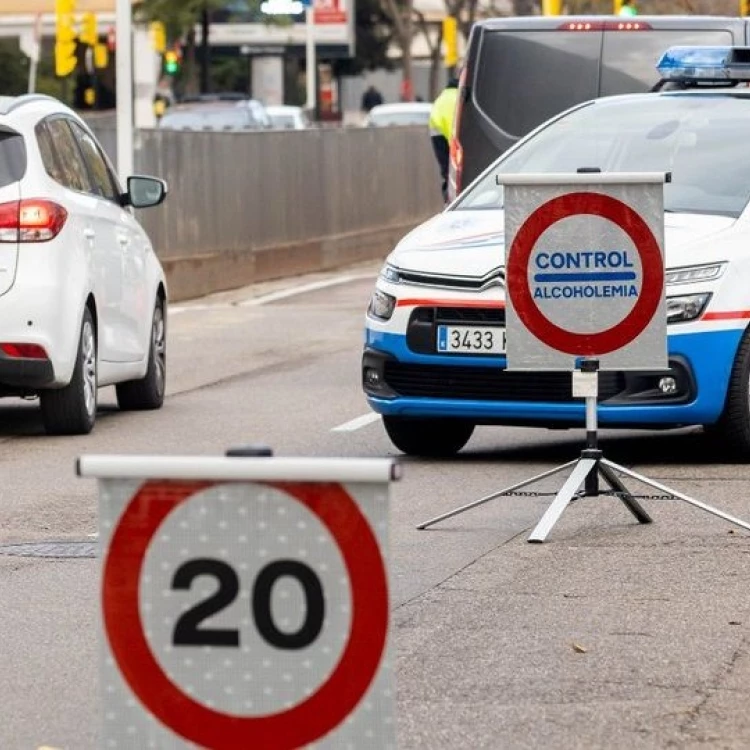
column 652, row 281
column 294, row 726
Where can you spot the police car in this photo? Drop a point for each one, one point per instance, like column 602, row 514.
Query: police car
column 434, row 359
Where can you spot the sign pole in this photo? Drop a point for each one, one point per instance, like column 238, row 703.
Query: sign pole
column 124, row 88
column 573, row 240
column 310, row 61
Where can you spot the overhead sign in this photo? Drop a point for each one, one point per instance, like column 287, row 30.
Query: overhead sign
column 244, row 602
column 585, row 270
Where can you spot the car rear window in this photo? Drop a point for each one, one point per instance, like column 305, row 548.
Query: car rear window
column 12, row 158
column 629, row 58
column 526, row 77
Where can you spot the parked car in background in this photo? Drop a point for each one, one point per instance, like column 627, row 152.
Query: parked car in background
column 286, row 117
column 218, row 115
column 403, row 113
column 434, row 360
column 520, row 71
column 83, row 297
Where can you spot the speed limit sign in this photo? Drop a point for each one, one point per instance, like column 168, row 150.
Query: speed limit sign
column 244, row 602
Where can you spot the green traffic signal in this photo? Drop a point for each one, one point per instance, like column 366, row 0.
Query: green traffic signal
column 171, row 63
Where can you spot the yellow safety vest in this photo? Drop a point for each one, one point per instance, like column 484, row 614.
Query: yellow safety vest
column 441, row 114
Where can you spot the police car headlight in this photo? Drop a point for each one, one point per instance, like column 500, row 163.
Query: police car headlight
column 689, row 307
column 390, row 273
column 690, row 274
column 381, row 305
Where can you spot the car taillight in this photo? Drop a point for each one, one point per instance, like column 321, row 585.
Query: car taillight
column 23, row 351
column 604, row 26
column 31, row 220
column 456, row 150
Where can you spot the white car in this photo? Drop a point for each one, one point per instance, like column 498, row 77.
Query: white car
column 83, row 297
column 401, row 113
column 287, row 117
column 448, row 274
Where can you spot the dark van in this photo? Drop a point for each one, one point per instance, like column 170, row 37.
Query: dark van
column 521, row 71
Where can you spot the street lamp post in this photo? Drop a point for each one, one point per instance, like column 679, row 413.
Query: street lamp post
column 310, row 62
column 124, row 88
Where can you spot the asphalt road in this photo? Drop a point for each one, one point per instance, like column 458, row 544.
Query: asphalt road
column 610, row 635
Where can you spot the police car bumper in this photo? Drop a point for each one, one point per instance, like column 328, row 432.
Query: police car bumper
column 691, row 391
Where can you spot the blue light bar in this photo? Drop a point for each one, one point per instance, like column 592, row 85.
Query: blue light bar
column 705, row 64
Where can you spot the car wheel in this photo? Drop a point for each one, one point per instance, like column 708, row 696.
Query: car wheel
column 428, row 437
column 733, row 427
column 72, row 410
column 148, row 392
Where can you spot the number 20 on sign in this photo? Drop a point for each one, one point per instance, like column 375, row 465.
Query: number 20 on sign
column 244, row 614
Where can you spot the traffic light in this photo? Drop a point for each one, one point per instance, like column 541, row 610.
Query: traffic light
column 625, row 8
column 171, row 62
column 158, row 37
column 89, row 32
column 745, row 7
column 101, row 56
column 450, row 40
column 65, row 38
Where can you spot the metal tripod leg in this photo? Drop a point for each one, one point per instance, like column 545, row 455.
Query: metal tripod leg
column 506, row 491
column 623, row 493
column 677, row 495
column 562, row 499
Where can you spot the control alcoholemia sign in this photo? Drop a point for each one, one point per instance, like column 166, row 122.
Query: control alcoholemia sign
column 584, row 259
column 244, row 603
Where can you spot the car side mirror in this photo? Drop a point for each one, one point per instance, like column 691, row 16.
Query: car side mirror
column 144, row 192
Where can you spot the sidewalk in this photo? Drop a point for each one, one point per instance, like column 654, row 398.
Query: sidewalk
column 609, row 635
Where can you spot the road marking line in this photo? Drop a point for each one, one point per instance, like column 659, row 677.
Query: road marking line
column 358, row 423
column 304, row 288
column 176, row 309
column 272, row 296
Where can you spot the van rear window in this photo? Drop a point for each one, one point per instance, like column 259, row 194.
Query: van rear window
column 629, row 58
column 526, row 77
column 12, row 158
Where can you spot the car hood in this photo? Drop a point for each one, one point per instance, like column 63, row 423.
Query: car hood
column 472, row 243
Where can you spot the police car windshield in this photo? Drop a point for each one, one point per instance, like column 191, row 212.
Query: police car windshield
column 702, row 139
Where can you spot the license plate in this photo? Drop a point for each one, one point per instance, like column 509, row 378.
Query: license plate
column 471, row 340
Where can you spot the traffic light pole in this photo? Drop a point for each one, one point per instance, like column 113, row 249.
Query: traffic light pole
column 124, row 88
column 310, row 61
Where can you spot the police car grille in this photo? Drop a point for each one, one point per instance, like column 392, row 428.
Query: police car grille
column 490, row 315
column 490, row 383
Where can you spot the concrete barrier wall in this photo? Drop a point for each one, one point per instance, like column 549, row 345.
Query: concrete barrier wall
column 247, row 207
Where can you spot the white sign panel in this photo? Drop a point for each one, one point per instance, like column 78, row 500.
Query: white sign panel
column 243, row 613
column 585, row 271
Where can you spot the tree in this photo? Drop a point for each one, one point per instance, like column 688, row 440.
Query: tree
column 373, row 29
column 14, row 67
column 180, row 18
column 401, row 15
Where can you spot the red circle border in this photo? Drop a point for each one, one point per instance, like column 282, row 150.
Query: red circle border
column 517, row 282
column 307, row 721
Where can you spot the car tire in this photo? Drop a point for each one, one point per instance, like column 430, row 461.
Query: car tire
column 71, row 410
column 429, row 438
column 148, row 392
column 732, row 431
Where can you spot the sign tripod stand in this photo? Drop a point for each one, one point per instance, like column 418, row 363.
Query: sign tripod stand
column 586, row 247
column 587, row 469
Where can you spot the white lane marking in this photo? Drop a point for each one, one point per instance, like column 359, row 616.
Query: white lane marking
column 304, row 288
column 273, row 296
column 358, row 423
column 176, row 309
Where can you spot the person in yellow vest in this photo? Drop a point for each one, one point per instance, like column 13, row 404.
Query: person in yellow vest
column 441, row 128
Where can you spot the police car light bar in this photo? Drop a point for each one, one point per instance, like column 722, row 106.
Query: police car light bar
column 705, row 64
